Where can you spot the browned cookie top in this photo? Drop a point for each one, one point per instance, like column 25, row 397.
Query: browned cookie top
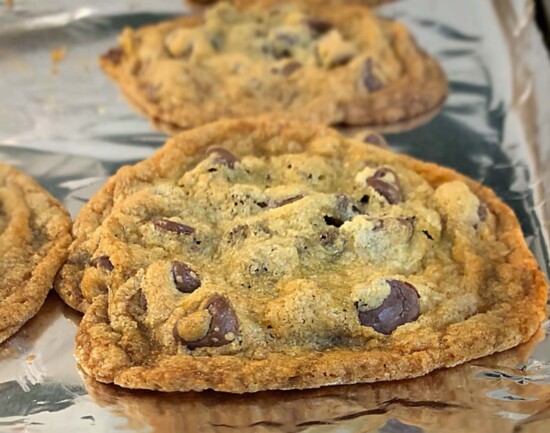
column 253, row 247
column 330, row 65
column 34, row 235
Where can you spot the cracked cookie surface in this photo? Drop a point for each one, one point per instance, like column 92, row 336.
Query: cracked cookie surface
column 262, row 254
column 34, row 236
column 329, row 65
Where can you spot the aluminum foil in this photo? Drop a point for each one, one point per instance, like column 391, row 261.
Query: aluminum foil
column 64, row 122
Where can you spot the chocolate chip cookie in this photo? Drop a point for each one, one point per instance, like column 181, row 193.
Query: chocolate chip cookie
column 269, row 254
column 34, row 235
column 331, row 65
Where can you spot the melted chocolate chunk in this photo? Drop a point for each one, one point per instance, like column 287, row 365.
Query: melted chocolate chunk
column 401, row 306
column 290, row 68
column 223, row 321
column 114, row 55
column 371, row 82
column 385, row 189
column 376, row 140
column 223, row 157
column 391, row 192
column 137, row 305
column 318, row 25
column 102, row 262
column 172, row 226
column 185, row 277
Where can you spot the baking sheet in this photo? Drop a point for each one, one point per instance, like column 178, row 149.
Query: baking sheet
column 63, row 122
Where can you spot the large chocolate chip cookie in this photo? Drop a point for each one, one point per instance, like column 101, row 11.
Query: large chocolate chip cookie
column 260, row 254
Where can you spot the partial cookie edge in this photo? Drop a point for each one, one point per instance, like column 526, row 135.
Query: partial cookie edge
column 34, row 292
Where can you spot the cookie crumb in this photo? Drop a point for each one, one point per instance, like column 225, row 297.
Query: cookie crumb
column 9, row 3
column 58, row 54
column 31, row 358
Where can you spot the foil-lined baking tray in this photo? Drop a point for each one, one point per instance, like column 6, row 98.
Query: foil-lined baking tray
column 63, row 122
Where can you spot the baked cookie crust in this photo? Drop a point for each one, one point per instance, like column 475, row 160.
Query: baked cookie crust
column 418, row 401
column 34, row 233
column 478, row 288
column 329, row 65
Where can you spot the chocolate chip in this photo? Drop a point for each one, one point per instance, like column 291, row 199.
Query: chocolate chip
column 371, row 82
column 365, row 199
column 102, row 262
column 137, row 305
column 289, row 200
column 281, row 53
column 333, row 221
column 185, row 277
column 482, row 212
column 172, row 226
column 290, row 67
column 388, row 191
column 114, row 55
column 376, row 140
column 318, row 25
column 223, row 157
column 401, row 306
column 391, row 192
column 372, row 139
column 223, row 322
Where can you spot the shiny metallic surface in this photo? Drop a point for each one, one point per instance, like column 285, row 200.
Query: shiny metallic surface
column 63, row 122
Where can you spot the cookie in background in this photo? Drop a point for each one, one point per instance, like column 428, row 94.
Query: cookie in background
column 335, row 66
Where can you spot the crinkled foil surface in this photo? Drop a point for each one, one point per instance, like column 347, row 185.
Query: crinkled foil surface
column 62, row 121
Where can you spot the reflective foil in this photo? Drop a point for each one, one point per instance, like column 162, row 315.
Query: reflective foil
column 64, row 122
